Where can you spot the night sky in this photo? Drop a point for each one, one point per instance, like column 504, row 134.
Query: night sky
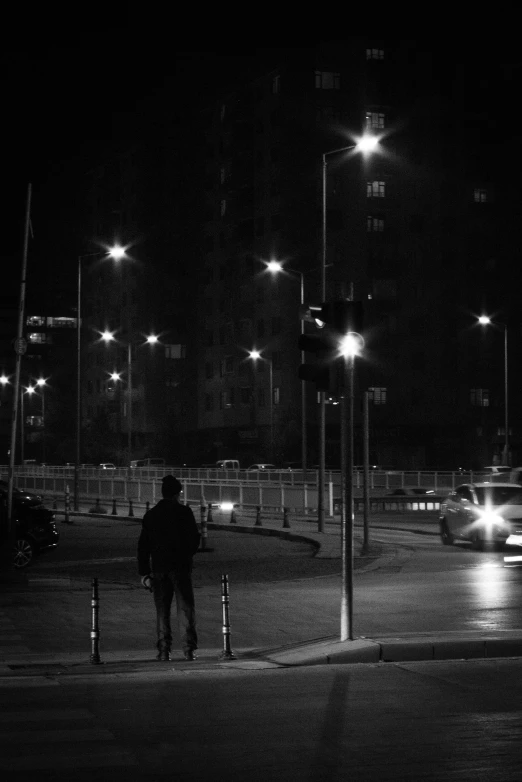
column 68, row 105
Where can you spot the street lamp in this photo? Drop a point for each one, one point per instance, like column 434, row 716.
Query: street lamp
column 275, row 267
column 484, row 320
column 108, row 336
column 367, row 144
column 24, row 390
column 41, row 383
column 255, row 355
column 350, row 346
column 117, row 253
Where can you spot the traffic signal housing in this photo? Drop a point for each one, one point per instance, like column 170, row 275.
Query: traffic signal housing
column 338, row 318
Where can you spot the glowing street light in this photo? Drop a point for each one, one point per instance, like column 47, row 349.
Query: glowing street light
column 255, row 355
column 485, row 320
column 116, row 253
column 276, row 267
column 109, row 336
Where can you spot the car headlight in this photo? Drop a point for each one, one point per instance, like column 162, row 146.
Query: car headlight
column 490, row 519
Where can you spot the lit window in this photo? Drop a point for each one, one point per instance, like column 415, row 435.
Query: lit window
column 327, row 80
column 227, row 365
column 245, row 395
column 375, row 54
column 38, row 338
column 175, row 351
column 479, row 397
column 374, row 120
column 480, row 196
column 276, row 84
column 35, row 320
column 377, row 396
column 226, row 398
column 374, row 224
column 376, row 189
column 61, row 323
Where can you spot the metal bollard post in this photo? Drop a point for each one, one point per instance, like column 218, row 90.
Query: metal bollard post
column 209, row 515
column 66, row 519
column 114, row 511
column 258, row 523
column 233, row 519
column 131, row 510
column 227, row 653
column 95, row 630
column 203, row 512
column 286, row 523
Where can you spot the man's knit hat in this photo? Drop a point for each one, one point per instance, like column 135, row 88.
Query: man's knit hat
column 170, row 486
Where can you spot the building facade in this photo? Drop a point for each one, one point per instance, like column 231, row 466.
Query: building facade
column 417, row 231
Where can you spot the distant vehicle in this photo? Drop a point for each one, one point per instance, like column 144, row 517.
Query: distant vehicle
column 484, row 513
column 35, row 527
column 497, row 468
column 370, row 467
column 227, row 464
column 261, row 467
column 145, row 463
column 107, row 466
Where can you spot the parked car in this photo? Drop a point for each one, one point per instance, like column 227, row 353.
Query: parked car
column 486, row 514
column 261, row 467
column 147, row 463
column 35, row 526
column 107, row 466
column 226, row 464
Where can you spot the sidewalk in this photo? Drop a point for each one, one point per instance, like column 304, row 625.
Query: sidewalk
column 36, row 619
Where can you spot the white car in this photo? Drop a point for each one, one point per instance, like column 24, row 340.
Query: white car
column 261, row 467
column 483, row 513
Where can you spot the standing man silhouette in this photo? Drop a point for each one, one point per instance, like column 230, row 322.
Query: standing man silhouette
column 169, row 539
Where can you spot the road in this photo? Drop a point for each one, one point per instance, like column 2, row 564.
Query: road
column 453, row 721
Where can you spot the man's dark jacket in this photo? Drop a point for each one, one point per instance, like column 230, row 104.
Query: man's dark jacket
column 169, row 538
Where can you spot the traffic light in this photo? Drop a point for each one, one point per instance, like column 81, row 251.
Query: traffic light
column 339, row 318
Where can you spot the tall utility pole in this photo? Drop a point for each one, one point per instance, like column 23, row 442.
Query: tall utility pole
column 20, row 348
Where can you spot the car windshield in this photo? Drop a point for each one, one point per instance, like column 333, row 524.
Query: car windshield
column 500, row 495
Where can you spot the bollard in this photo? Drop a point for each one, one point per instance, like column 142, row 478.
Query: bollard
column 131, row 511
column 227, row 653
column 209, row 515
column 95, row 630
column 114, row 511
column 66, row 519
column 286, row 523
column 203, row 512
column 233, row 519
column 147, row 506
column 258, row 523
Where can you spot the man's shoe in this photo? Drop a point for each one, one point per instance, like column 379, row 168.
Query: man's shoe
column 163, row 656
column 190, row 655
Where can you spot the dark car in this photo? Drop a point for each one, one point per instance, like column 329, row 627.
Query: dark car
column 35, row 528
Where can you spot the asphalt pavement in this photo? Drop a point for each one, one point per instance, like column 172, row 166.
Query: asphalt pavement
column 46, row 622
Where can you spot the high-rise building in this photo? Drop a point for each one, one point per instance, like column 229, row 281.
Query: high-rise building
column 422, row 232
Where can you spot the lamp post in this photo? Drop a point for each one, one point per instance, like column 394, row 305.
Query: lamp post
column 255, row 355
column 116, row 253
column 366, row 145
column 484, row 320
column 274, row 267
column 152, row 339
column 41, row 382
column 350, row 347
column 24, row 390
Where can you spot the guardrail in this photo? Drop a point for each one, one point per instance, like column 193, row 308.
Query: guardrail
column 379, row 480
